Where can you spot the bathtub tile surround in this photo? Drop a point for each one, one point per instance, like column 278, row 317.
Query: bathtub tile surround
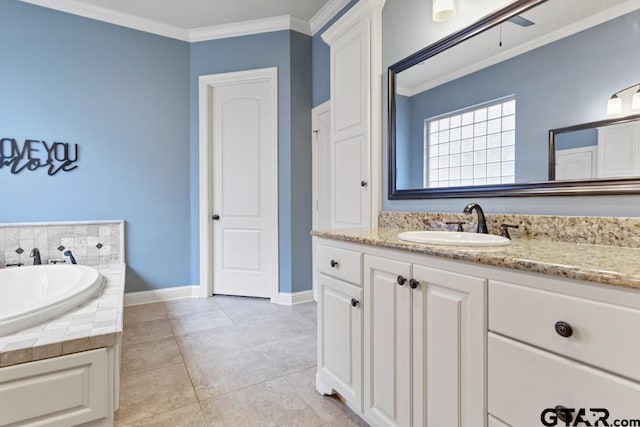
column 95, row 324
column 91, row 242
column 610, row 231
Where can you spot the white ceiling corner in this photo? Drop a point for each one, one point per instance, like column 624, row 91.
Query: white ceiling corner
column 119, row 15
column 110, row 16
column 324, row 15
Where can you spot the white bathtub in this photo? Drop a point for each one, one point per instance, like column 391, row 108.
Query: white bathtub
column 31, row 295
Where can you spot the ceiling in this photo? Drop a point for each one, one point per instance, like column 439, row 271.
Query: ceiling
column 189, row 14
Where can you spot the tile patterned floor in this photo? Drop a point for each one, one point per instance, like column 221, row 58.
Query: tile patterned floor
column 224, row 361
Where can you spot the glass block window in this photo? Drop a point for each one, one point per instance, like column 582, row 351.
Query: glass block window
column 474, row 146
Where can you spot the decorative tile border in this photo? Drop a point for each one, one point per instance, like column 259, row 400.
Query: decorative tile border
column 611, row 231
column 92, row 243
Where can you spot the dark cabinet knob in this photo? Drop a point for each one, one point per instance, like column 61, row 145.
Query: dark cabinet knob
column 564, row 329
column 215, row 217
column 363, row 183
column 413, row 283
column 564, row 414
column 354, row 302
column 401, row 280
column 334, row 263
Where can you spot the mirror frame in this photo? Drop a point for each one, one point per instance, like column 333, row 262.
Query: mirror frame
column 542, row 188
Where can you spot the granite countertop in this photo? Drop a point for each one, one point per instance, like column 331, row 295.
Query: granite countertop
column 610, row 265
column 94, row 324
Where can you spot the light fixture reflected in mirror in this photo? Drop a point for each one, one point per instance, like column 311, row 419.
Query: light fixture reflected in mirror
column 614, row 105
column 443, row 10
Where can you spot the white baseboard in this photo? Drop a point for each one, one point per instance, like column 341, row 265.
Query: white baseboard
column 159, row 295
column 295, row 297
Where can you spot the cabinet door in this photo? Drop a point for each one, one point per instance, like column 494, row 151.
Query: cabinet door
column 350, row 127
column 449, row 341
column 340, row 338
column 619, row 151
column 387, row 355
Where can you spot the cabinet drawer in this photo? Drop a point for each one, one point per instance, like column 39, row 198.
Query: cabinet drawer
column 524, row 381
column 340, row 263
column 602, row 335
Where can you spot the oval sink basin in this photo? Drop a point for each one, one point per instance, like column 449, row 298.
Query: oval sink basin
column 452, row 238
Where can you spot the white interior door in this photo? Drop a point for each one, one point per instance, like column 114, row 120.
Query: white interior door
column 321, row 123
column 243, row 129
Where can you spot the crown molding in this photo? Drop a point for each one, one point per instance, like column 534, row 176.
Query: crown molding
column 245, row 28
column 325, row 14
column 235, row 29
column 75, row 7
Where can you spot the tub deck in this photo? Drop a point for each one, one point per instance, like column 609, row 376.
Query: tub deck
column 95, row 324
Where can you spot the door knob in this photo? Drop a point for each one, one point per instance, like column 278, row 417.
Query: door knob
column 354, row 302
column 363, row 183
column 413, row 283
column 400, row 280
column 334, row 263
column 215, row 217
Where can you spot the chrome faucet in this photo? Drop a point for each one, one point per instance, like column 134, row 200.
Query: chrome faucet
column 482, row 222
column 35, row 254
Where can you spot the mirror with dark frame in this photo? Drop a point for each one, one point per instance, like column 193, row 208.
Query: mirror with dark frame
column 517, row 105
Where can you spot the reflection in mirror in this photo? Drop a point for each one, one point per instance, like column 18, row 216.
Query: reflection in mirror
column 598, row 150
column 479, row 113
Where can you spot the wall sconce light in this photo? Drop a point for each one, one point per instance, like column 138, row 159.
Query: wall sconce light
column 614, row 106
column 443, row 10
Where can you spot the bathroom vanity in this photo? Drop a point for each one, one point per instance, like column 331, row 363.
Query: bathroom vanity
column 420, row 335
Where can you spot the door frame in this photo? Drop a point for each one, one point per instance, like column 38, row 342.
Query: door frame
column 323, row 108
column 205, row 85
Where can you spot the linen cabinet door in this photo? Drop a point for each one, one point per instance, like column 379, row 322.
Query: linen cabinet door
column 387, row 355
column 340, row 339
column 449, row 342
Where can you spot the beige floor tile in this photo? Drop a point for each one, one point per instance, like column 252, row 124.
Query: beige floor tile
column 215, row 341
column 222, row 373
column 154, row 392
column 189, row 306
column 196, row 322
column 348, row 421
column 225, row 301
column 146, row 331
column 278, row 329
column 329, row 408
column 150, row 355
column 144, row 313
column 273, row 403
column 293, row 354
column 248, row 313
column 189, row 416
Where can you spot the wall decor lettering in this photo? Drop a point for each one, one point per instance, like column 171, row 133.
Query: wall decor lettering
column 33, row 154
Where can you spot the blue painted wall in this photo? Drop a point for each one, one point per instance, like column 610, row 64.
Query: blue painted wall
column 321, row 59
column 578, row 139
column 123, row 97
column 290, row 52
column 130, row 100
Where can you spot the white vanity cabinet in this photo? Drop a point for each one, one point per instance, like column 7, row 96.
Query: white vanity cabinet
column 437, row 342
column 422, row 337
column 338, row 278
column 434, row 374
